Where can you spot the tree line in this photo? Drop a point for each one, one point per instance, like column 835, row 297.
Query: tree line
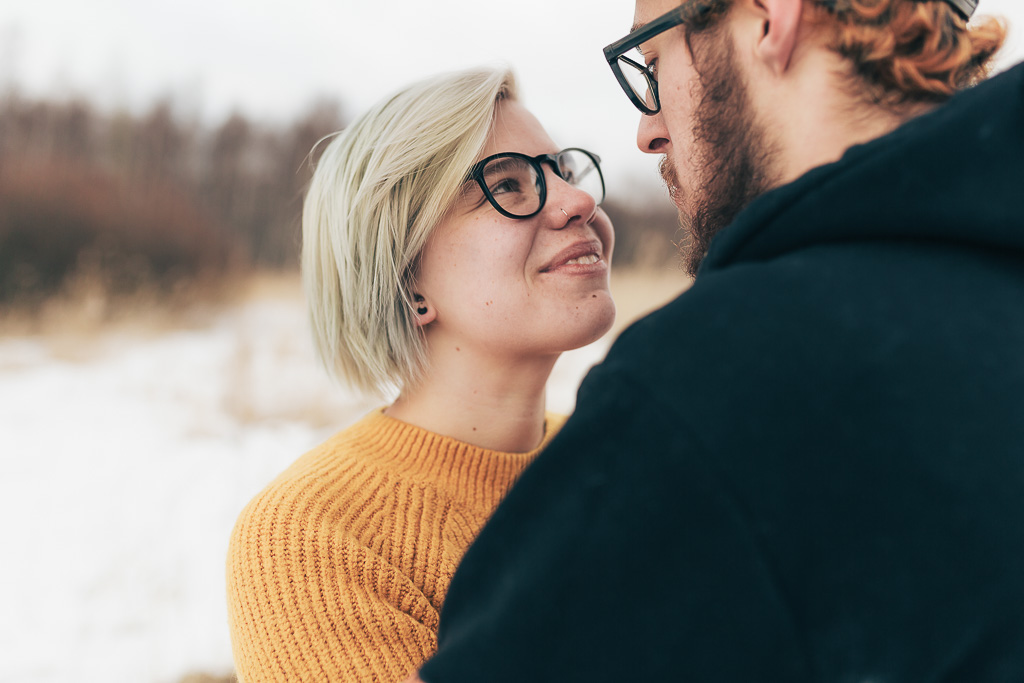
column 155, row 199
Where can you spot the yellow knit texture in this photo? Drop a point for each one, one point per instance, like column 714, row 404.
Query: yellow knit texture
column 337, row 570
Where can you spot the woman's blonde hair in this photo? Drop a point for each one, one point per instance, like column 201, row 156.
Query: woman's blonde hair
column 380, row 188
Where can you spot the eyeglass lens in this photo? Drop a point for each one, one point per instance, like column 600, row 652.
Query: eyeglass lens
column 632, row 68
column 514, row 183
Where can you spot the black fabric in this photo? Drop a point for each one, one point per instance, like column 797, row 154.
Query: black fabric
column 810, row 466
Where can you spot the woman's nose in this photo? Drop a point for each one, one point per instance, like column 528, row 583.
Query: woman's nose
column 567, row 201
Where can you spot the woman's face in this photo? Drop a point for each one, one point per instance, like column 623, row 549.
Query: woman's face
column 526, row 287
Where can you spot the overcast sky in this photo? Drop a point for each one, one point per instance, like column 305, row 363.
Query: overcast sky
column 271, row 60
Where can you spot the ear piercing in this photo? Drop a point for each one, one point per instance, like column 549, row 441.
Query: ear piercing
column 421, row 310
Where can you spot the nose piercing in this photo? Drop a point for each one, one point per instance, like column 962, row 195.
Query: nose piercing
column 563, row 211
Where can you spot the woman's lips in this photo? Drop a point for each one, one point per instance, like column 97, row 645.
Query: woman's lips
column 580, row 257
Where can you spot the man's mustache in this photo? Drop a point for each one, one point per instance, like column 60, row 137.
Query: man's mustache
column 668, row 174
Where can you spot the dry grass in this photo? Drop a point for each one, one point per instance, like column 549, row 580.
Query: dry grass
column 638, row 291
column 80, row 321
column 76, row 322
column 86, row 306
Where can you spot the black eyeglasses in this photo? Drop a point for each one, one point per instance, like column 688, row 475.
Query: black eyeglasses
column 514, row 183
column 636, row 78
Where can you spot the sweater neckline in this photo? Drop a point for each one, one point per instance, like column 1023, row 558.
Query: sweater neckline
column 443, row 460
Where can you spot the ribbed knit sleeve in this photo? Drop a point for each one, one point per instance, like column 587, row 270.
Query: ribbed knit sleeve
column 337, row 570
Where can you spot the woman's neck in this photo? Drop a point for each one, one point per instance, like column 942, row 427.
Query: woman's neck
column 489, row 402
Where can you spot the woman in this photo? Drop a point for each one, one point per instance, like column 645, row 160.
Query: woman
column 451, row 252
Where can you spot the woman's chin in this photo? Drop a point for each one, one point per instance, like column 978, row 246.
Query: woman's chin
column 594, row 325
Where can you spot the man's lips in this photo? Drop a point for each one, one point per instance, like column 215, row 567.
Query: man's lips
column 589, row 253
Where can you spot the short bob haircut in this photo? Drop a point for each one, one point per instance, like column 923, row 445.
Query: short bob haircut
column 380, row 188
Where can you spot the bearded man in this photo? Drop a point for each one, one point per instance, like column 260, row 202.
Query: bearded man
column 810, row 466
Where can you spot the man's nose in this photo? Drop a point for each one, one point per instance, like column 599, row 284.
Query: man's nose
column 652, row 135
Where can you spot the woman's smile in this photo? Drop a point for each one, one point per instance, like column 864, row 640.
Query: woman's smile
column 583, row 258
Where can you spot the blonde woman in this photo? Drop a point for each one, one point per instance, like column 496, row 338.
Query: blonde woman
column 451, row 252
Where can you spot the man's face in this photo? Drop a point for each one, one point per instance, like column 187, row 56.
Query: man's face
column 716, row 155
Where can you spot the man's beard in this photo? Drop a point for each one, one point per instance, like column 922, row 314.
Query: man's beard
column 731, row 156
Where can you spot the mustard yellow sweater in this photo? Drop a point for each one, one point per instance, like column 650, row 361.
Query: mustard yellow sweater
column 337, row 570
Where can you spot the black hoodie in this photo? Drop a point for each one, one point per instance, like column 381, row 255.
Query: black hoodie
column 810, row 466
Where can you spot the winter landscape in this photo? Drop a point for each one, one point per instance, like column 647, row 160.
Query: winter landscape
column 129, row 450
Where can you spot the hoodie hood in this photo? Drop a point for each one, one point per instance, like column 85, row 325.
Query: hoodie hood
column 955, row 174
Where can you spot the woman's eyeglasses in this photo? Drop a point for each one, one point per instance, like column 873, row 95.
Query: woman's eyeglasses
column 514, row 183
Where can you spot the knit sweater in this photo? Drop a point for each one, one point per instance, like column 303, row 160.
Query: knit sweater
column 337, row 570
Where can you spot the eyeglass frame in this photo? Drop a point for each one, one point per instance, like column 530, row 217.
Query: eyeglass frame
column 685, row 13
column 477, row 173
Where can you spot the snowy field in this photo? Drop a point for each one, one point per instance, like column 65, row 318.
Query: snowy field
column 126, row 457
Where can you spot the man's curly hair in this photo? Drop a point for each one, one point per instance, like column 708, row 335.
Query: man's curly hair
column 901, row 51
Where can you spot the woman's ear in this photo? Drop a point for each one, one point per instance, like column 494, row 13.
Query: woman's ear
column 780, row 24
column 423, row 313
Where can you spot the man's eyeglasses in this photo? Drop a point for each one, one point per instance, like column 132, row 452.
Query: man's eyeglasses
column 636, row 78
column 514, row 183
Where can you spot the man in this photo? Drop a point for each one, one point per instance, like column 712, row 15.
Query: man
column 810, row 466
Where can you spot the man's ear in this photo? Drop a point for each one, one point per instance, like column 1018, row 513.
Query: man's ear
column 780, row 24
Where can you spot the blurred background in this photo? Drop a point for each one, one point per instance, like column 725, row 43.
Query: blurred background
column 155, row 366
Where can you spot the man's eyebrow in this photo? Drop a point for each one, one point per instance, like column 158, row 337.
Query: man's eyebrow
column 636, row 27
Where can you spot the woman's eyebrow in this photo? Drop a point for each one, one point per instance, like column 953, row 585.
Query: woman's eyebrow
column 502, row 165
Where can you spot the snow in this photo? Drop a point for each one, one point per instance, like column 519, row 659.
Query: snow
column 124, row 467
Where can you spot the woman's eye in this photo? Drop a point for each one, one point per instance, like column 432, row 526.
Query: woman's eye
column 504, row 185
